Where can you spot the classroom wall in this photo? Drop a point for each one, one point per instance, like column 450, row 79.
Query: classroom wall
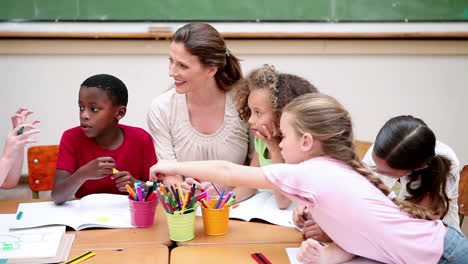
column 374, row 79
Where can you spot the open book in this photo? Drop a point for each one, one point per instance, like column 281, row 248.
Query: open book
column 263, row 206
column 94, row 210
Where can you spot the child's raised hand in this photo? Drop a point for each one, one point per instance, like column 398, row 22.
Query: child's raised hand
column 311, row 252
column 122, row 178
column 15, row 143
column 20, row 117
column 98, row 168
column 271, row 136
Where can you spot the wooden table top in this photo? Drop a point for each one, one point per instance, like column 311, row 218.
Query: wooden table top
column 245, row 232
column 230, row 254
column 239, row 231
column 123, row 253
column 158, row 233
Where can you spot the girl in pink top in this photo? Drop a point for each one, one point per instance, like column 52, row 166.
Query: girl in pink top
column 351, row 204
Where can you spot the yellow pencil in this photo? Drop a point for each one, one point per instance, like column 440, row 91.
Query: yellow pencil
column 80, row 258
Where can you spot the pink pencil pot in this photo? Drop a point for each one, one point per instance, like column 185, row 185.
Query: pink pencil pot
column 142, row 213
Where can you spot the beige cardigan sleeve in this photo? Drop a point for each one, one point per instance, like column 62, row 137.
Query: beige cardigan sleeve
column 160, row 129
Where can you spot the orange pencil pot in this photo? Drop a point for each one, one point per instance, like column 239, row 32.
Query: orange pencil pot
column 142, row 213
column 215, row 221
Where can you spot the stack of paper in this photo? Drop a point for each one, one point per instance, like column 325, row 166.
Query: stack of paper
column 33, row 245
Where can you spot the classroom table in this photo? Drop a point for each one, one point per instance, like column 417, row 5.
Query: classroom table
column 158, row 233
column 230, row 254
column 123, row 253
column 245, row 232
column 240, row 253
column 10, row 206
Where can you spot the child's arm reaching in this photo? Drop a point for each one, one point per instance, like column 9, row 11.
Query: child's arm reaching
column 66, row 184
column 312, row 252
column 223, row 172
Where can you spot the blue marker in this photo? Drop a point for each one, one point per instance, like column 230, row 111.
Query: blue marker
column 220, row 199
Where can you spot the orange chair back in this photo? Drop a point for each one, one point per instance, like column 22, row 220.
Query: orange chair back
column 41, row 168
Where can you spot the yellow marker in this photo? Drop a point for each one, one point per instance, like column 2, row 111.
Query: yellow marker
column 163, row 190
column 185, row 202
column 181, row 193
column 114, row 170
column 186, row 197
column 80, row 258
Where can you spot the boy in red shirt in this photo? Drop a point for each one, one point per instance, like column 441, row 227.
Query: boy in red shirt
column 89, row 153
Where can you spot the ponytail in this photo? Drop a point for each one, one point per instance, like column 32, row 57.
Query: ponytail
column 407, row 143
column 432, row 182
column 230, row 73
column 205, row 42
column 349, row 156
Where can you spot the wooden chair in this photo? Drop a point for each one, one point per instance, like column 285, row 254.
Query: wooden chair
column 41, row 168
column 463, row 194
column 361, row 147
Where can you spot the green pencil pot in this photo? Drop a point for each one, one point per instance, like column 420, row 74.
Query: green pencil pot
column 181, row 226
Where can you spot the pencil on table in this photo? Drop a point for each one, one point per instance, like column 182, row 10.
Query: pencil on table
column 80, row 258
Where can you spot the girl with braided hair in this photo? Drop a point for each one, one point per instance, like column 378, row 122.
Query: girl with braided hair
column 406, row 150
column 354, row 207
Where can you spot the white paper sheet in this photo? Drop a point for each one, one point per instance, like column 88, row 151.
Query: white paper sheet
column 292, row 253
column 40, row 242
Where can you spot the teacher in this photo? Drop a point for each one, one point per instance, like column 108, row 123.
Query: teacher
column 197, row 119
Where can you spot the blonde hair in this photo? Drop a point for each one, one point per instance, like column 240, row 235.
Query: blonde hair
column 283, row 87
column 328, row 121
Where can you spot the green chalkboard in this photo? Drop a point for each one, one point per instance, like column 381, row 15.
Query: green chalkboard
column 234, row 10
